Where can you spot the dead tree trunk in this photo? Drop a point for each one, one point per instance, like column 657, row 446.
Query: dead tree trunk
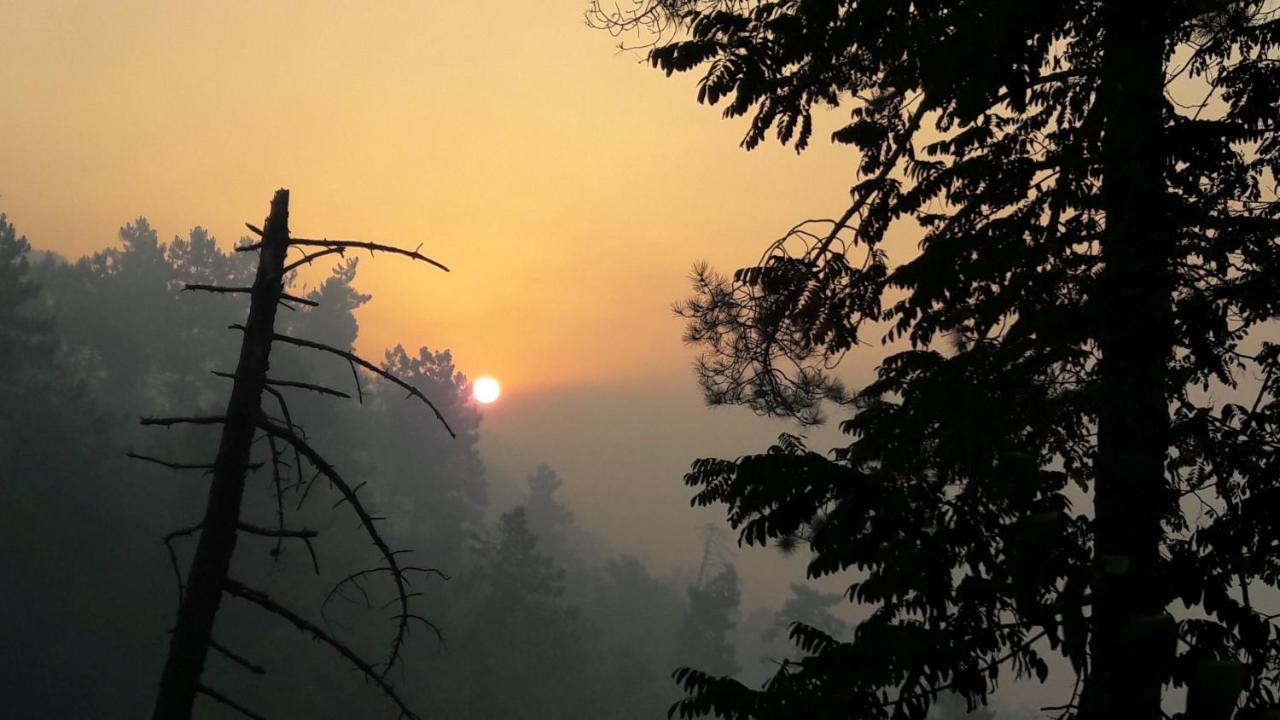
column 207, row 577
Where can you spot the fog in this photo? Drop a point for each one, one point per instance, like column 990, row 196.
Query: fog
column 579, row 576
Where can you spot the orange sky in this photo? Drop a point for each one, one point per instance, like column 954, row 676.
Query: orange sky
column 568, row 186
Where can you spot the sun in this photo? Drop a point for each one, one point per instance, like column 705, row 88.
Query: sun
column 486, row 390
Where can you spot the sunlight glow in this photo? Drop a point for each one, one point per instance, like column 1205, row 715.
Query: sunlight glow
column 486, row 390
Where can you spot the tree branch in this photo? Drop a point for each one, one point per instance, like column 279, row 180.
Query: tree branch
column 237, row 659
column 367, row 521
column 190, row 420
column 219, row 697
column 304, row 535
column 170, row 465
column 173, row 555
column 357, row 360
column 264, row 601
column 371, row 247
column 247, row 291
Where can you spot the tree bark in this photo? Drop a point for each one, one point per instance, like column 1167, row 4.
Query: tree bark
column 206, row 579
column 1135, row 319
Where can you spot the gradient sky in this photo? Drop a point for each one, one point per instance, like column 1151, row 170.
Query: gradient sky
column 569, row 186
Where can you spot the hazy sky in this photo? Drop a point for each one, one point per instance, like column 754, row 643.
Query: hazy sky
column 568, row 186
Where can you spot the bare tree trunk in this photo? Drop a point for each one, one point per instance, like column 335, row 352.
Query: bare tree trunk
column 208, row 574
column 1136, row 340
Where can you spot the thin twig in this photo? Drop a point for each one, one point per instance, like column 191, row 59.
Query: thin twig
column 247, row 291
column 173, row 555
column 370, row 246
column 304, row 535
column 170, row 465
column 307, row 259
column 237, row 658
column 264, row 601
column 321, row 389
column 356, row 359
column 190, row 420
column 219, row 697
column 319, row 463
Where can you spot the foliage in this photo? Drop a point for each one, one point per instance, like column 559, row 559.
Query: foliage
column 991, row 124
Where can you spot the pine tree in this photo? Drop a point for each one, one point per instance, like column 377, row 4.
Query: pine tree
column 1095, row 182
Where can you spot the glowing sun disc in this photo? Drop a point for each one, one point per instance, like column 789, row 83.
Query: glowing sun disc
column 486, row 390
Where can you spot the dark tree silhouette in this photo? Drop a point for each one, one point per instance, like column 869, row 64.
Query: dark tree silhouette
column 245, row 419
column 1096, row 183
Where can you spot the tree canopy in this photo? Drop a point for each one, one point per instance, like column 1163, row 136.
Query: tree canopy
column 1094, row 185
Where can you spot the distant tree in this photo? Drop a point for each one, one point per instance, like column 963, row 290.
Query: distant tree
column 435, row 484
column 1096, row 185
column 548, row 517
column 26, row 341
column 704, row 640
column 811, row 609
column 519, row 626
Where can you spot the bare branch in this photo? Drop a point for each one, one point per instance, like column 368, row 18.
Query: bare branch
column 237, row 659
column 219, row 697
column 265, row 602
column 173, row 555
column 367, row 521
column 254, row 229
column 291, row 384
column 191, row 420
column 247, row 291
column 371, row 247
column 307, row 259
column 304, row 535
column 279, row 485
column 357, row 360
column 170, row 465
column 356, row 377
column 282, row 533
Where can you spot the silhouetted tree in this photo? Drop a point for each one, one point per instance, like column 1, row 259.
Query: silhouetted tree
column 245, row 419
column 1096, row 183
column 519, row 624
column 809, row 608
column 548, row 518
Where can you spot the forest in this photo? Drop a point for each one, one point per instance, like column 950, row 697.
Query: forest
column 1021, row 362
column 538, row 617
